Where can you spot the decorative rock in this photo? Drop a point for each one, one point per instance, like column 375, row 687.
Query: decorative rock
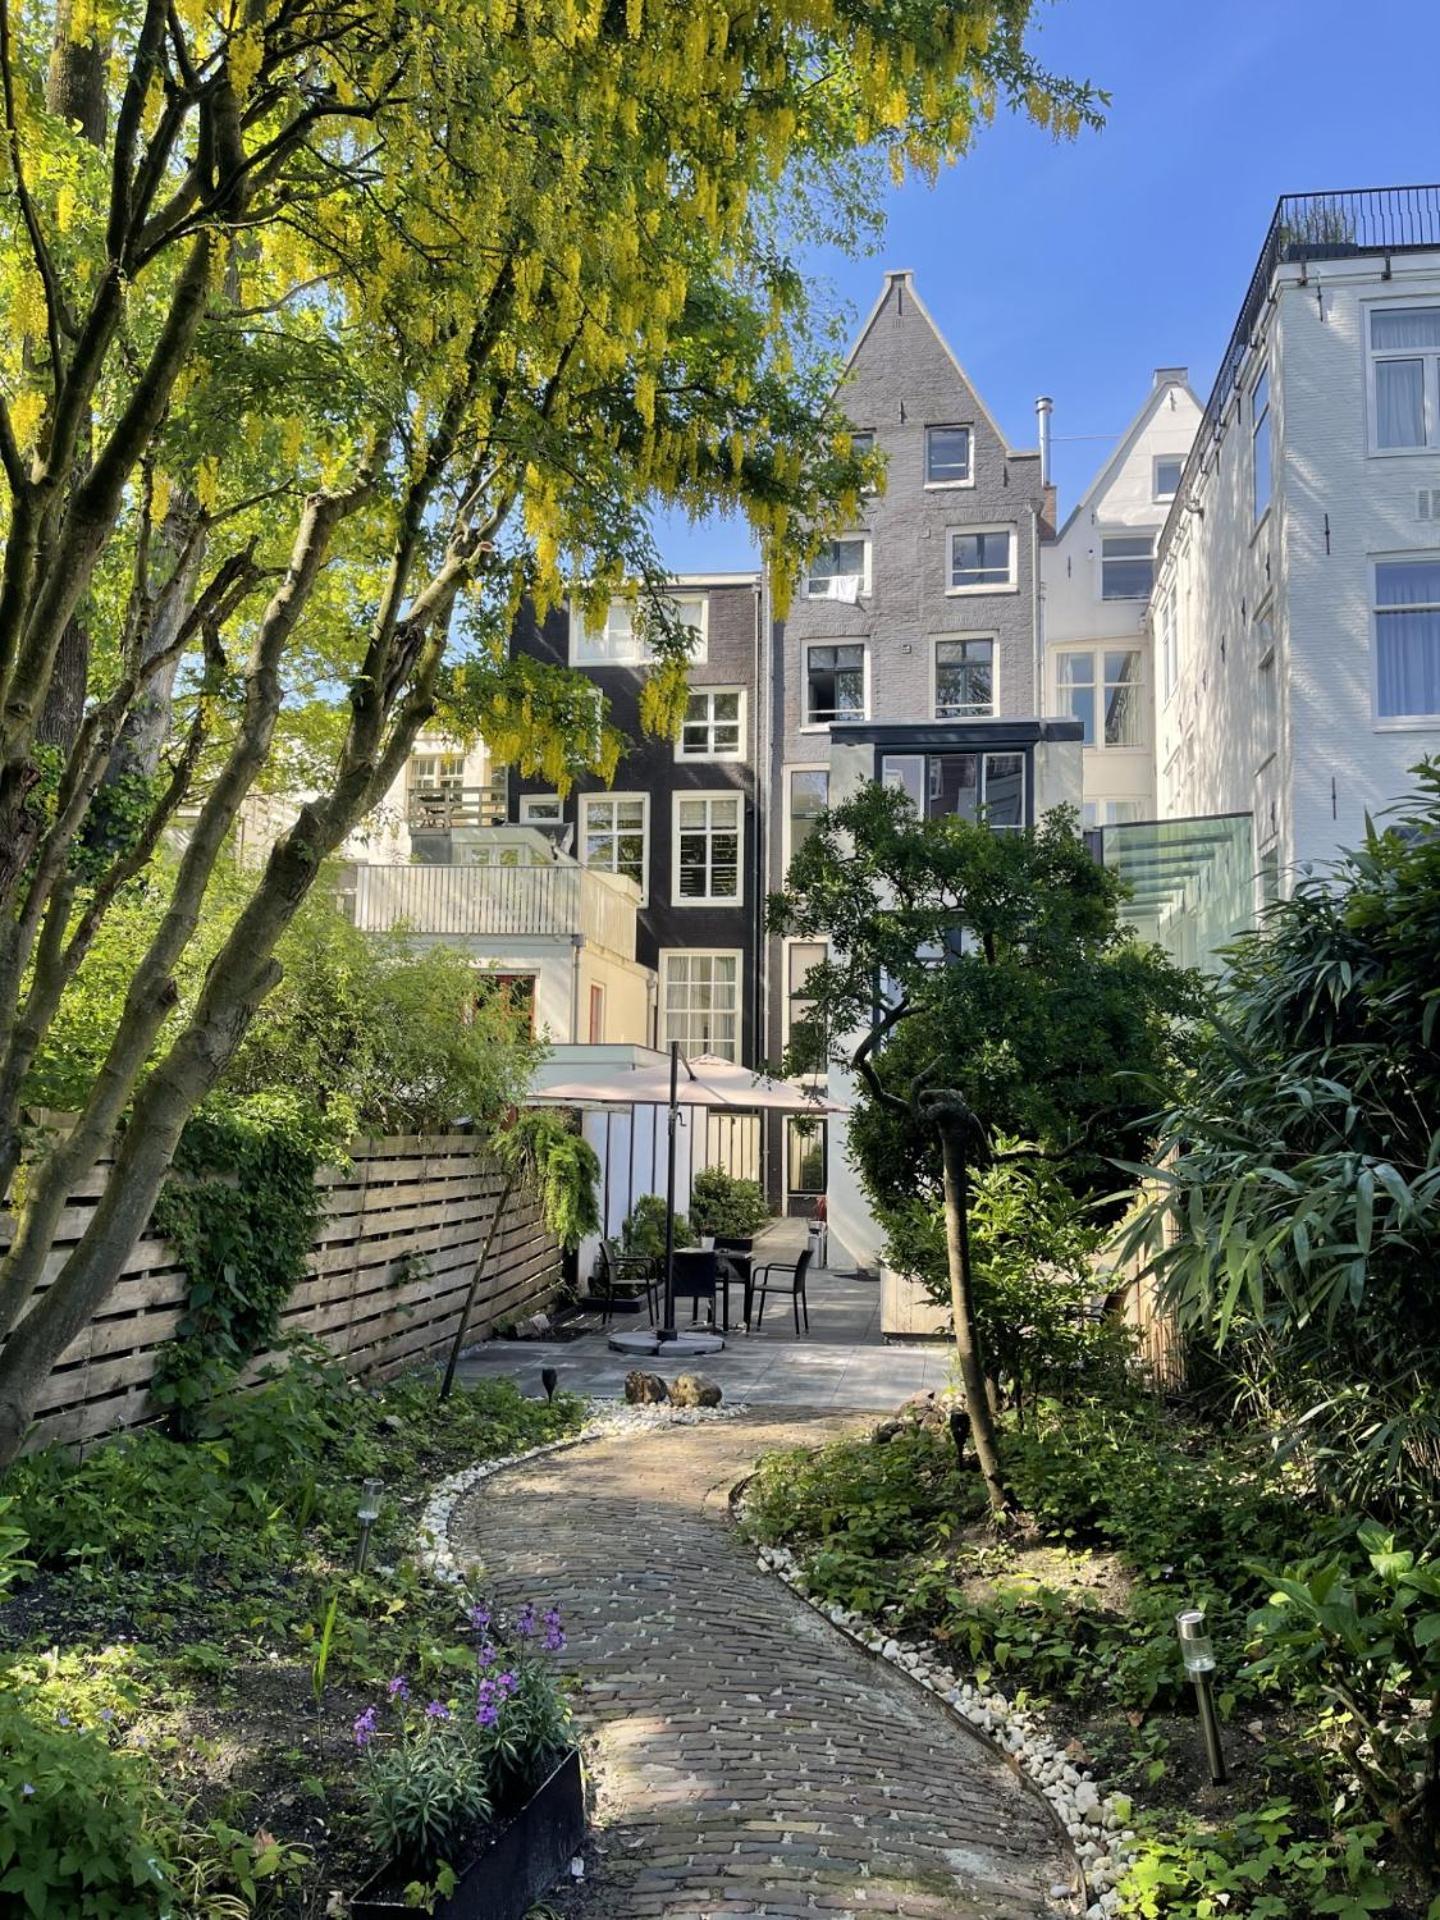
column 695, row 1390
column 645, row 1389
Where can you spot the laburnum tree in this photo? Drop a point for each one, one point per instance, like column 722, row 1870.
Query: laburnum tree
column 334, row 327
column 984, row 987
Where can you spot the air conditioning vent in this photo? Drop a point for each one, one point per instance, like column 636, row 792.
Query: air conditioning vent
column 1427, row 504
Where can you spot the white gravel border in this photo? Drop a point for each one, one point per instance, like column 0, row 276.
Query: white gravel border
column 434, row 1553
column 1098, row 1824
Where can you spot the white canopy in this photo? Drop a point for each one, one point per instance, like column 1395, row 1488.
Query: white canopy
column 706, row 1081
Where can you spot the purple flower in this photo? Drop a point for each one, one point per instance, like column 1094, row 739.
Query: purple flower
column 107, row 1714
column 480, row 1616
column 64, row 1720
column 554, row 1634
column 365, row 1727
column 399, row 1688
column 486, row 1654
column 507, row 1682
column 487, row 1713
column 437, row 1710
column 525, row 1621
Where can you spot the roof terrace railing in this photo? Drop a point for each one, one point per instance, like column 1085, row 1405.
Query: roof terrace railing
column 1310, row 226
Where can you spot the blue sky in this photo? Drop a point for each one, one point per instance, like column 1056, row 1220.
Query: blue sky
column 1076, row 270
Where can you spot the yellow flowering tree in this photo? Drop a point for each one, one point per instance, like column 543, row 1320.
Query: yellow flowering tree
column 332, row 330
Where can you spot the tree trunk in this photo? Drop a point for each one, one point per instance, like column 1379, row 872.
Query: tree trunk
column 967, row 1343
column 457, row 1344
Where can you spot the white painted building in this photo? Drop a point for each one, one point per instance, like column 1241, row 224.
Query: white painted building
column 1096, row 577
column 1296, row 612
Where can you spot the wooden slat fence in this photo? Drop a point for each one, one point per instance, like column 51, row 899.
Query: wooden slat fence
column 398, row 1239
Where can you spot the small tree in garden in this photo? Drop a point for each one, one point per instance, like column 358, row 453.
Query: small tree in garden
column 995, row 990
column 1301, row 1171
column 539, row 1151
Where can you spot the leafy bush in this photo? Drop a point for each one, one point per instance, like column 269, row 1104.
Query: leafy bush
column 644, row 1231
column 80, row 1821
column 1260, row 1864
column 723, row 1203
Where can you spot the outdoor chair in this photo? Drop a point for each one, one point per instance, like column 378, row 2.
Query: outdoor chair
column 621, row 1276
column 780, row 1276
column 696, row 1278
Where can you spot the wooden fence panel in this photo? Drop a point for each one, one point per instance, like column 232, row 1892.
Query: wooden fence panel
column 399, row 1233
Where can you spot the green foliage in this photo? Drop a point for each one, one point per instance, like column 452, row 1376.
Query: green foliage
column 80, row 1821
column 1302, row 1169
column 1257, row 1864
column 541, row 1148
column 723, row 1203
column 425, row 1789
column 241, row 1209
column 644, row 1231
column 1355, row 1642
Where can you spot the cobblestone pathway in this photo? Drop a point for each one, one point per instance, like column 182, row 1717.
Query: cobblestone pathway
column 750, row 1760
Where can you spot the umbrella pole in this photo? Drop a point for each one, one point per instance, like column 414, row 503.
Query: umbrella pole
column 667, row 1328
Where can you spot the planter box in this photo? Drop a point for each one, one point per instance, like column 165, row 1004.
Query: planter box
column 907, row 1312
column 509, row 1866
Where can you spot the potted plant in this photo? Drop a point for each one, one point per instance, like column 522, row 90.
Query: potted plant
column 475, row 1801
column 723, row 1203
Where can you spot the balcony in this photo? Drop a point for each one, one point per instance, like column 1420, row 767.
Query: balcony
column 551, row 901
column 441, row 809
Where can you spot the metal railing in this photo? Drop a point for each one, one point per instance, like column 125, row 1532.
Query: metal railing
column 439, row 809
column 496, row 902
column 1310, row 226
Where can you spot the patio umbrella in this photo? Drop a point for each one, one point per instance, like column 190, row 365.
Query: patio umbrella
column 706, row 1081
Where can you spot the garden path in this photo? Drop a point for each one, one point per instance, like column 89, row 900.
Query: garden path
column 750, row 1759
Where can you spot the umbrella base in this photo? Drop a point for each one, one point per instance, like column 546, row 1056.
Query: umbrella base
column 685, row 1346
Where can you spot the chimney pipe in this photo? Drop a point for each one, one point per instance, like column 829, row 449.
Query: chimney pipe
column 1044, row 407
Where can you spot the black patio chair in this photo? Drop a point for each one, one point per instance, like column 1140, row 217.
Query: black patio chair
column 620, row 1276
column 696, row 1278
column 791, row 1280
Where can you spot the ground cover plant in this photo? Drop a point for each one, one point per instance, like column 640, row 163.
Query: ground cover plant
column 1133, row 1511
column 187, row 1648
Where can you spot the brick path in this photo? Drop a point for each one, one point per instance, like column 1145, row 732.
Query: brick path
column 750, row 1759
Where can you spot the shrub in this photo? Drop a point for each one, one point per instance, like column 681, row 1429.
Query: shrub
column 644, row 1232
column 723, row 1203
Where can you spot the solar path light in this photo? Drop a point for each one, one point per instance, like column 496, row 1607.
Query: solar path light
column 1198, row 1652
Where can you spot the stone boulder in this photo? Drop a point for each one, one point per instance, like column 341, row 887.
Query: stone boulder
column 695, row 1390
column 645, row 1389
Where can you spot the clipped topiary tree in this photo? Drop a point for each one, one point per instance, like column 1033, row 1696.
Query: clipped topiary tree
column 726, row 1204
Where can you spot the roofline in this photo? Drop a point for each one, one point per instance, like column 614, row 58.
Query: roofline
column 1123, row 443
column 741, row 577
column 905, row 277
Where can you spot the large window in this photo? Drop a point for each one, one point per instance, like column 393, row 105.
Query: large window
column 1405, row 377
column 1260, row 444
column 1407, row 639
column 800, row 957
column 1169, row 654
column 834, row 683
column 809, row 796
column 982, row 559
column 1104, row 691
column 708, row 833
column 700, row 1002
column 714, row 725
column 620, row 642
column 967, row 784
column 947, row 456
column 964, row 678
column 614, row 834
column 840, row 571
column 804, row 1157
column 1127, row 566
column 437, row 773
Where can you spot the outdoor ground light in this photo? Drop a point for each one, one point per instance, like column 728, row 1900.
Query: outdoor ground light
column 1198, row 1652
column 368, row 1512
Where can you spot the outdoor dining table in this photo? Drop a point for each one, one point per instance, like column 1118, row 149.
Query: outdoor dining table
column 701, row 1273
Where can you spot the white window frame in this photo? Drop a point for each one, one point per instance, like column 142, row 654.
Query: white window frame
column 1165, row 459
column 530, row 817
column 951, row 426
column 1393, row 722
column 450, row 782
column 1143, row 701
column 792, row 768
column 710, row 754
column 1011, row 583
column 683, row 795
column 863, row 434
column 582, row 835
column 1091, row 654
column 581, row 655
column 990, row 639
column 807, row 725
column 862, row 591
column 1263, row 423
column 1168, row 648
column 787, row 946
column 1429, row 358
column 666, row 954
column 1123, row 533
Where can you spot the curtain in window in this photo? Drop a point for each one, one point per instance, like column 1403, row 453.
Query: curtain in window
column 1405, row 327
column 1400, row 403
column 1407, row 638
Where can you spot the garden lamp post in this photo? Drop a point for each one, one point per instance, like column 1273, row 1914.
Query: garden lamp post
column 1198, row 1652
column 368, row 1513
